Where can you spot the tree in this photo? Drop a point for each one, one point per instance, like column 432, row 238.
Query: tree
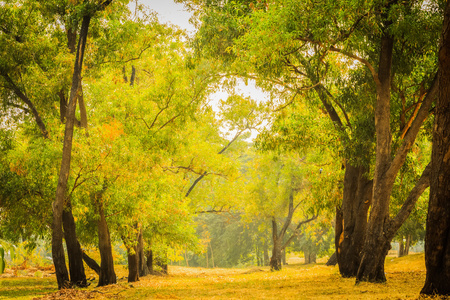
column 353, row 37
column 61, row 190
column 437, row 241
column 278, row 193
column 284, row 69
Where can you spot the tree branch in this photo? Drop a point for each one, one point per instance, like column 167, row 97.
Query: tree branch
column 296, row 231
column 422, row 184
column 27, row 101
column 411, row 135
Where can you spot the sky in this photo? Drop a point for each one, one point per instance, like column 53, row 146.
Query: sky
column 170, row 12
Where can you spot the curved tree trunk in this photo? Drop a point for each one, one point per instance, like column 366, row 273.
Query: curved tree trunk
column 437, row 239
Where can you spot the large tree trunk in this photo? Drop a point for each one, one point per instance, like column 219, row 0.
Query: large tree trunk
column 376, row 246
column 381, row 228
column 437, row 239
column 58, row 204
column 74, row 252
column 133, row 264
column 355, row 204
column 107, row 274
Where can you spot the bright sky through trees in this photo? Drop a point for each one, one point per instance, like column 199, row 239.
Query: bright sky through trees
column 170, row 12
column 175, row 13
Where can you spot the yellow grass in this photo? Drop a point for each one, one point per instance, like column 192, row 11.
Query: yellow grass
column 405, row 279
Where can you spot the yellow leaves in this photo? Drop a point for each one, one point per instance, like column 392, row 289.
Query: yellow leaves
column 17, row 168
column 111, row 131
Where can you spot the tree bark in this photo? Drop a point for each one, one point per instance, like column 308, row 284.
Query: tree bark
column 275, row 260
column 407, row 244
column 143, row 269
column 58, row 204
column 356, row 201
column 310, row 257
column 351, row 217
column 74, row 252
column 437, row 238
column 107, row 274
column 401, row 247
column 381, row 229
column 332, row 261
column 133, row 264
column 376, row 246
column 149, row 255
column 91, row 263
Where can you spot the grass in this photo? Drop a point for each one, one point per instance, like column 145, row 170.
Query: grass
column 405, row 278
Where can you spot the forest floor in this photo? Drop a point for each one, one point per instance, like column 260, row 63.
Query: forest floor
column 405, row 278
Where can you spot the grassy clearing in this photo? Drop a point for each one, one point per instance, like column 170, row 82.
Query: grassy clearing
column 405, row 279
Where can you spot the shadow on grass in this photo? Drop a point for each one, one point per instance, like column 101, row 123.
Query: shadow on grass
column 26, row 288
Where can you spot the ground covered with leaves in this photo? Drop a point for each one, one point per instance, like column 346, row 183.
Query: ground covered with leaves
column 405, row 277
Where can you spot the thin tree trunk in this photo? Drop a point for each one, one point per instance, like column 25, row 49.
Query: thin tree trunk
column 186, row 256
column 58, row 204
column 407, row 244
column 91, row 263
column 266, row 253
column 27, row 101
column 212, row 255
column 437, row 238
